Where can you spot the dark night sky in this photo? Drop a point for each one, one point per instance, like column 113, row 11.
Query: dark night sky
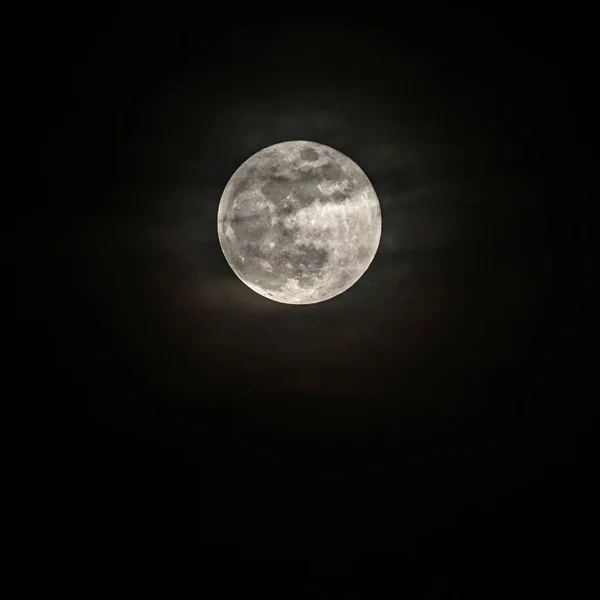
column 425, row 425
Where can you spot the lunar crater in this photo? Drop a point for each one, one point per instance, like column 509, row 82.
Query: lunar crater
column 309, row 154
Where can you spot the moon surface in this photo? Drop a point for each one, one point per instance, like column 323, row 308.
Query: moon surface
column 299, row 222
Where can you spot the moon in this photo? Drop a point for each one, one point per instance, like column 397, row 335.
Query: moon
column 299, row 222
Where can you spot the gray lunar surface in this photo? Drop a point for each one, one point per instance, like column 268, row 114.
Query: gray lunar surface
column 299, row 222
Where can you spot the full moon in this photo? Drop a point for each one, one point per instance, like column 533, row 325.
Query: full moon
column 299, row 222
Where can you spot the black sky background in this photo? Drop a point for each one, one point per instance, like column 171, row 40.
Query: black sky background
column 423, row 432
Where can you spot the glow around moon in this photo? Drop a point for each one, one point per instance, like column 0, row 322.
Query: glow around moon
column 299, row 222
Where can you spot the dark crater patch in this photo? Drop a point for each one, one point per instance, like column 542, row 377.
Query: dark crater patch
column 273, row 171
column 285, row 234
column 277, row 189
column 337, row 197
column 251, row 228
column 332, row 172
column 306, row 191
column 286, row 255
column 311, row 257
column 309, row 155
column 285, row 209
